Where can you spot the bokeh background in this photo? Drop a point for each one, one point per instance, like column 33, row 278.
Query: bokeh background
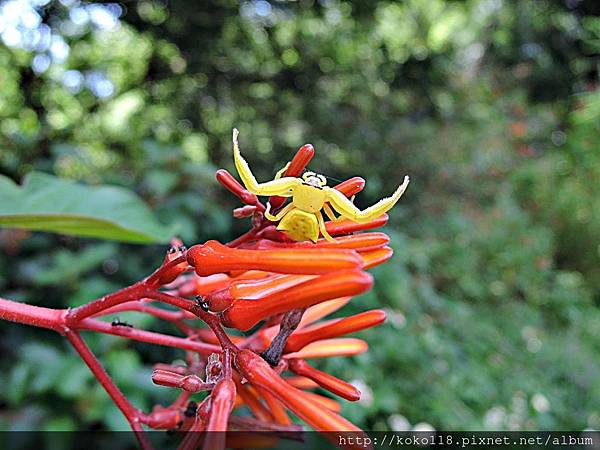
column 491, row 106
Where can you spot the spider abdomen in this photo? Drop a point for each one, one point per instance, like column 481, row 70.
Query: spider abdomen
column 300, row 225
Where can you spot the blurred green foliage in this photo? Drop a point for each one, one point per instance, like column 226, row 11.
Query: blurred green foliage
column 491, row 106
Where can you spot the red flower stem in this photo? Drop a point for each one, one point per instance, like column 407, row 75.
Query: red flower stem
column 149, row 337
column 175, row 317
column 227, row 362
column 210, row 319
column 190, row 383
column 248, row 236
column 133, row 292
column 133, row 415
column 169, row 316
column 36, row 316
column 53, row 320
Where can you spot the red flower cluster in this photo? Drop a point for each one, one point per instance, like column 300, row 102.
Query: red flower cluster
column 262, row 281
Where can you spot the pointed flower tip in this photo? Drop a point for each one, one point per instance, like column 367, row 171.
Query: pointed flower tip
column 351, row 186
column 375, row 257
column 295, row 169
column 326, row 381
column 347, row 226
column 334, row 328
column 232, row 185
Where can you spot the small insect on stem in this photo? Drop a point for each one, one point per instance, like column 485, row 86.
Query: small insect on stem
column 118, row 323
column 201, row 302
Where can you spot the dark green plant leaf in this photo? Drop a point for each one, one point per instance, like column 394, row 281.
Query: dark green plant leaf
column 47, row 203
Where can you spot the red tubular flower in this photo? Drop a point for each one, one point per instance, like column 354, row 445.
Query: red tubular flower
column 258, row 372
column 351, row 186
column 331, row 347
column 301, row 382
column 213, row 257
column 259, row 288
column 346, row 226
column 252, row 400
column 275, row 406
column 252, row 289
column 244, row 314
column 360, row 242
column 375, row 257
column 326, row 381
column 222, row 402
column 321, row 310
column 232, row 185
column 295, row 169
column 261, row 276
column 334, row 328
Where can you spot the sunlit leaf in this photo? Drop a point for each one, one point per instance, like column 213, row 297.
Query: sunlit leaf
column 51, row 204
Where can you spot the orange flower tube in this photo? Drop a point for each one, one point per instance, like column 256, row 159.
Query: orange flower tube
column 351, row 187
column 331, row 347
column 222, row 402
column 232, row 185
column 213, row 257
column 326, row 381
column 360, row 242
column 376, row 257
column 323, row 309
column 244, row 314
column 258, row 372
column 346, row 226
column 334, row 328
column 295, row 169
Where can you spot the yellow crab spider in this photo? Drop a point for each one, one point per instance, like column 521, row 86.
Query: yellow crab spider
column 301, row 219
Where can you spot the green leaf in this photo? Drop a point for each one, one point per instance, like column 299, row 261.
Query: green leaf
column 48, row 203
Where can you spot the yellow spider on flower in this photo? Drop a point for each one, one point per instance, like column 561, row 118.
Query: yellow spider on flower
column 301, row 219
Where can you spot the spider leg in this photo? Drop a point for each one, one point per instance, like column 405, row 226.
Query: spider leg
column 277, row 217
column 282, row 186
column 347, row 209
column 330, row 213
column 324, row 232
column 280, row 173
